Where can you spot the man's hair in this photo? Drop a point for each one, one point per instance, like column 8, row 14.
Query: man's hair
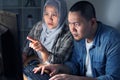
column 85, row 8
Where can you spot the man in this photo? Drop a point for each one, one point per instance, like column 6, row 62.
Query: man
column 96, row 54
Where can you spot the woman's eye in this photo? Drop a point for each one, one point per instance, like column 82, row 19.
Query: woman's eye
column 54, row 14
column 46, row 14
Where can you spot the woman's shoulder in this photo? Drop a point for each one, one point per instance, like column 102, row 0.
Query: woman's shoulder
column 38, row 24
column 37, row 27
column 65, row 33
column 36, row 30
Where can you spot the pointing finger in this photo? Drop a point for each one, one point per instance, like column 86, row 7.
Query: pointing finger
column 31, row 39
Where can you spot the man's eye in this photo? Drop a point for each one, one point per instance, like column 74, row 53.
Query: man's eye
column 77, row 24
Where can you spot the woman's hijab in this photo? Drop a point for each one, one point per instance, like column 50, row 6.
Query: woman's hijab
column 48, row 36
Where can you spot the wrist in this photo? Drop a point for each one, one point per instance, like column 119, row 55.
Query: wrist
column 46, row 62
column 45, row 56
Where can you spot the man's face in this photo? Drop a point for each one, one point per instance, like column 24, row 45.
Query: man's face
column 79, row 26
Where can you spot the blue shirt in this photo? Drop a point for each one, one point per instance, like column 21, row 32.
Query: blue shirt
column 104, row 54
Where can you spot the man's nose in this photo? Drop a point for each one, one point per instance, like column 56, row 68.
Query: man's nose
column 73, row 27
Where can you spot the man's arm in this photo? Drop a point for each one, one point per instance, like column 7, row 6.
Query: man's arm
column 70, row 77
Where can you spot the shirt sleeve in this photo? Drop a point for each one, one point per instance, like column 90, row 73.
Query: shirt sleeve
column 112, row 70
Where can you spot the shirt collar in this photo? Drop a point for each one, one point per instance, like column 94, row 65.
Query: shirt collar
column 96, row 41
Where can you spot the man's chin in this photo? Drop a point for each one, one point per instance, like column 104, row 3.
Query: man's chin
column 77, row 39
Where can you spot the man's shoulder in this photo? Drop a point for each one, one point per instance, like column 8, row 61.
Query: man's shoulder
column 108, row 33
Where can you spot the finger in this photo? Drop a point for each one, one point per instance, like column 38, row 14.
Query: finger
column 47, row 71
column 37, row 44
column 53, row 73
column 31, row 45
column 34, row 44
column 56, row 77
column 35, row 70
column 31, row 39
column 37, row 47
column 42, row 70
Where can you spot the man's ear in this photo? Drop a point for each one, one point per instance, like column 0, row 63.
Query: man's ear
column 93, row 21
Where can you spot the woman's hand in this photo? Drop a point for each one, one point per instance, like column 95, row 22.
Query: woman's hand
column 37, row 46
column 50, row 69
column 36, row 69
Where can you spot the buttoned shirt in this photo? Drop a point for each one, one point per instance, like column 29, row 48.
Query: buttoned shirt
column 104, row 55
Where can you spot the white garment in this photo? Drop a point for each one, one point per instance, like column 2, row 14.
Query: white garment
column 88, row 60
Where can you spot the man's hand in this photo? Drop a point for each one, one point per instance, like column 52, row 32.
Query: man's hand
column 70, row 77
column 64, row 77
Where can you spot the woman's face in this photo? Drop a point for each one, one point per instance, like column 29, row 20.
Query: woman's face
column 51, row 16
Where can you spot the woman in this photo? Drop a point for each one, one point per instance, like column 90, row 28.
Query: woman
column 50, row 40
